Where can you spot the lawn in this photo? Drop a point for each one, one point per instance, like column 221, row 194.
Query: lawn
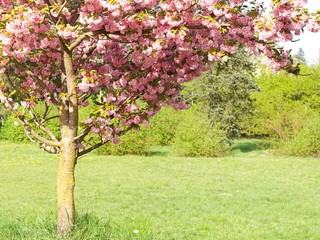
column 251, row 194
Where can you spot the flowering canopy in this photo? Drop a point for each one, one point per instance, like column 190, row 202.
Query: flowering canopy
column 131, row 56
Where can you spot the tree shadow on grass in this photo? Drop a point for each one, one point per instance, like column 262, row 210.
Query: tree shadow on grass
column 159, row 151
column 245, row 146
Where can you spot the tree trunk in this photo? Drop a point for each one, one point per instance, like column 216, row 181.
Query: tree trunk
column 68, row 155
column 65, row 187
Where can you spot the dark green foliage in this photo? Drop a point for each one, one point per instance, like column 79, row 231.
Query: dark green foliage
column 196, row 137
column 224, row 93
column 132, row 143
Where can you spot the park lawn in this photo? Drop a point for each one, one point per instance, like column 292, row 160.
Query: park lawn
column 247, row 195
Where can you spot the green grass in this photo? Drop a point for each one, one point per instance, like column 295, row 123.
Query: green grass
column 251, row 194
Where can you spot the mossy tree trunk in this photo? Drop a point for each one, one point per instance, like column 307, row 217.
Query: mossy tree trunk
column 65, row 187
column 68, row 150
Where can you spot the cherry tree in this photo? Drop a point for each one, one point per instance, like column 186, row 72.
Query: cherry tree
column 128, row 58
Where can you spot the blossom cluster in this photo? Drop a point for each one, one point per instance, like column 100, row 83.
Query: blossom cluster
column 135, row 56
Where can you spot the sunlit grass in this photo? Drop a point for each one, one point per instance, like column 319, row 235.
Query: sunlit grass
column 251, row 194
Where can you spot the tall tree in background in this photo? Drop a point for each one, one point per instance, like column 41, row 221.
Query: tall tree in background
column 224, row 92
column 130, row 57
column 300, row 56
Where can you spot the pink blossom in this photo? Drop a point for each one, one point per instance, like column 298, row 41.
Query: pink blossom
column 115, row 139
column 88, row 121
column 80, row 146
column 67, row 32
column 6, row 2
column 131, row 58
column 83, row 87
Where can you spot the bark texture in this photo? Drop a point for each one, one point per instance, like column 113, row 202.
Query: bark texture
column 68, row 155
column 65, row 187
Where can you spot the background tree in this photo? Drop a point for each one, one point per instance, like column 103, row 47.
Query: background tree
column 300, row 56
column 130, row 57
column 224, row 93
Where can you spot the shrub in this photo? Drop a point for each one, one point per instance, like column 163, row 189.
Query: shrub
column 307, row 142
column 163, row 126
column 283, row 104
column 132, row 143
column 195, row 137
column 11, row 130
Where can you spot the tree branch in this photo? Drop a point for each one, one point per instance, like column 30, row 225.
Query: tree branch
column 87, row 55
column 85, row 96
column 42, row 127
column 80, row 137
column 29, row 129
column 99, row 144
column 26, row 125
column 49, row 118
column 90, row 149
column 82, row 37
column 46, row 111
column 79, row 40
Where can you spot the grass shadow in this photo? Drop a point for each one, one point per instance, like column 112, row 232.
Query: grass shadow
column 159, row 151
column 245, row 146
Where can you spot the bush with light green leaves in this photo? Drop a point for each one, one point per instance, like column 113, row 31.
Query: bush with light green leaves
column 195, row 137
